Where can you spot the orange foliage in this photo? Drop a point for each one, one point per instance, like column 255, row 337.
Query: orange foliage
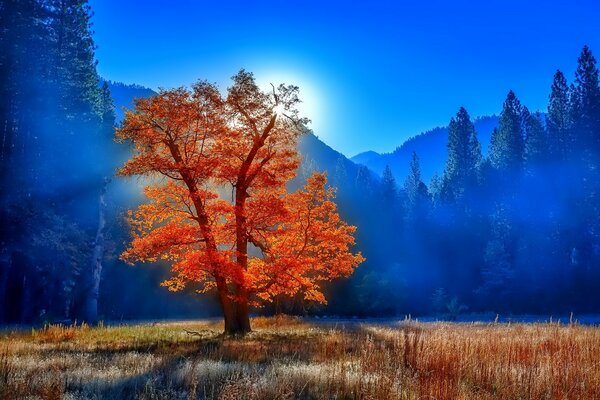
column 218, row 209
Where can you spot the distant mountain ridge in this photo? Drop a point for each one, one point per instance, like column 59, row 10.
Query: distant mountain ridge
column 430, row 146
column 365, row 157
column 316, row 155
column 123, row 95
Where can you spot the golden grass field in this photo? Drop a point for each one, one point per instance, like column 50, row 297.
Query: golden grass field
column 287, row 358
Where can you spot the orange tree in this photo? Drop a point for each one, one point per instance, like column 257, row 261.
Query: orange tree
column 218, row 210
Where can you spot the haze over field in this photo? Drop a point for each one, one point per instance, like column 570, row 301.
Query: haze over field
column 494, row 211
column 299, row 200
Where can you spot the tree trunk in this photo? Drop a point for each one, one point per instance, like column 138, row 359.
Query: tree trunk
column 234, row 321
column 4, row 274
column 241, row 292
column 227, row 306
column 243, row 311
column 90, row 305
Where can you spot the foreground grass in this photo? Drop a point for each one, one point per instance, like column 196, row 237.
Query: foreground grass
column 291, row 358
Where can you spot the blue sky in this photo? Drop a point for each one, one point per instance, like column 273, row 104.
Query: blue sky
column 371, row 73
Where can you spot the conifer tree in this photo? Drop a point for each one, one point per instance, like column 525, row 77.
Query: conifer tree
column 75, row 72
column 585, row 103
column 498, row 270
column 340, row 174
column 364, row 182
column 389, row 190
column 417, row 196
column 464, row 155
column 435, row 188
column 507, row 143
column 536, row 142
column 108, row 115
column 54, row 116
column 558, row 118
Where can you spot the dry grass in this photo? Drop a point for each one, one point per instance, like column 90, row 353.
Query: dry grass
column 292, row 358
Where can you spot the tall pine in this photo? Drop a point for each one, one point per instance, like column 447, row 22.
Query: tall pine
column 464, row 155
column 389, row 191
column 417, row 195
column 559, row 118
column 507, row 144
column 536, row 141
column 587, row 101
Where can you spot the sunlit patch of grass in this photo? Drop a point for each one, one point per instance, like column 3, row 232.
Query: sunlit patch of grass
column 287, row 357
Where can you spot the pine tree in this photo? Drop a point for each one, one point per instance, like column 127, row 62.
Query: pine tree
column 108, row 115
column 507, row 143
column 585, row 103
column 585, row 111
column 75, row 73
column 54, row 117
column 25, row 58
column 559, row 118
column 417, row 196
column 498, row 272
column 364, row 182
column 464, row 155
column 536, row 141
column 340, row 174
column 435, row 188
column 389, row 191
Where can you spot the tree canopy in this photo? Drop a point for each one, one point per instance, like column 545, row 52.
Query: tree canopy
column 218, row 207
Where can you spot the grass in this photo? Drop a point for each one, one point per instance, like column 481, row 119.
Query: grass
column 292, row 358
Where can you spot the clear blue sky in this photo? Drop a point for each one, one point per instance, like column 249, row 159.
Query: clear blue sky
column 371, row 73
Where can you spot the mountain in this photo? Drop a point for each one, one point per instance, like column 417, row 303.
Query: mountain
column 430, row 146
column 316, row 155
column 123, row 95
column 366, row 157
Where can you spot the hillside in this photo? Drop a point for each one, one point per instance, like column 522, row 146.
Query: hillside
column 316, row 155
column 430, row 146
column 123, row 95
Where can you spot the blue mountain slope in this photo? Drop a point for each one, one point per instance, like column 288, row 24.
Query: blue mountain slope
column 430, row 146
column 124, row 94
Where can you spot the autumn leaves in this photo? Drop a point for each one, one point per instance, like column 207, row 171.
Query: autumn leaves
column 218, row 210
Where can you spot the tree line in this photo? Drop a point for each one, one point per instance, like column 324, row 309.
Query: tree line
column 55, row 115
column 516, row 231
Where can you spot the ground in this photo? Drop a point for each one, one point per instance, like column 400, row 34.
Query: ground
column 289, row 357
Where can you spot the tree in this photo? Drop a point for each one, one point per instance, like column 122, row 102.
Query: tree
column 498, row 271
column 558, row 118
column 107, row 110
column 389, row 191
column 464, row 155
column 225, row 163
column 340, row 174
column 586, row 102
column 507, row 143
column 364, row 182
column 78, row 91
column 435, row 189
column 536, row 142
column 53, row 121
column 417, row 196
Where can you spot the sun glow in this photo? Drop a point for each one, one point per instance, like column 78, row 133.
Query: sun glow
column 279, row 109
column 312, row 100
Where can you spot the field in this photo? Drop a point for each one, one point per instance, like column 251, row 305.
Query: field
column 293, row 358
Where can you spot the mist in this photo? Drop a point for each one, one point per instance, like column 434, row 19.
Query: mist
column 508, row 224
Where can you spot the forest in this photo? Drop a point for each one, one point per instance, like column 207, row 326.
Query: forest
column 511, row 228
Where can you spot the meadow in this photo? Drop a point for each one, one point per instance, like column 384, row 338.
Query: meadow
column 286, row 358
